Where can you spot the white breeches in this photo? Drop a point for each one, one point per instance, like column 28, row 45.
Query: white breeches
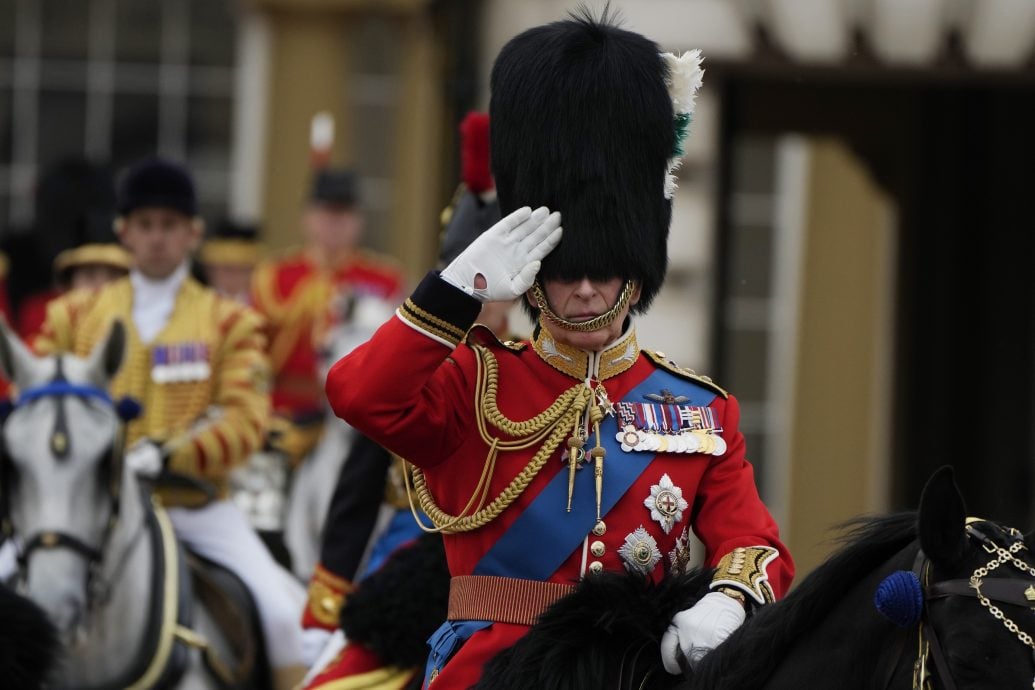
column 221, row 533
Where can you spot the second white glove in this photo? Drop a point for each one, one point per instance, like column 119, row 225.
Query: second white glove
column 700, row 629
column 507, row 256
column 145, row 458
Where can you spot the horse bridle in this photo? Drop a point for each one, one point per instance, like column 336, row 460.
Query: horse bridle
column 1013, row 590
column 59, row 387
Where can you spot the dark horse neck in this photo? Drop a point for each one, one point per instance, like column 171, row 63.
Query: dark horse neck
column 826, row 632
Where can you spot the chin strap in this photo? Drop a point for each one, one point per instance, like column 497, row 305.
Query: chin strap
column 584, row 326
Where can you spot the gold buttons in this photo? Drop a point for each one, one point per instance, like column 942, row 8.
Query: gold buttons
column 659, row 353
column 600, row 528
column 596, row 567
column 597, row 548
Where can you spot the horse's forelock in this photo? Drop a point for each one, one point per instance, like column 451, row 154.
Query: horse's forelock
column 86, row 436
column 81, row 370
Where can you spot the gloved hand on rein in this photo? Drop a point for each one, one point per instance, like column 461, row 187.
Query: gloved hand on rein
column 699, row 629
column 507, row 256
column 145, row 458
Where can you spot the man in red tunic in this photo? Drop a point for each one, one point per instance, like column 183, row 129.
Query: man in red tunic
column 298, row 292
column 546, row 461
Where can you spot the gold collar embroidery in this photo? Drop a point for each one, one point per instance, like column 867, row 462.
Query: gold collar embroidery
column 579, row 364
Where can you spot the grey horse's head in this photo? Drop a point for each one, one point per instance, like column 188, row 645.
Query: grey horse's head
column 58, row 468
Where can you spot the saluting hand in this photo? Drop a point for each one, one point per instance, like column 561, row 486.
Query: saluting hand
column 502, row 263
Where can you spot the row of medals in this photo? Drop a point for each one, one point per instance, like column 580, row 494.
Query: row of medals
column 696, row 441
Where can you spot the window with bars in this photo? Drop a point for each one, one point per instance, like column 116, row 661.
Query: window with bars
column 114, row 80
column 746, row 293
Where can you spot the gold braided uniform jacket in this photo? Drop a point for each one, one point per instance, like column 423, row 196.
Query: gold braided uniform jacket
column 211, row 420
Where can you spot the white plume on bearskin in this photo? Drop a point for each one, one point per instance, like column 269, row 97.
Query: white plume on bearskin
column 685, row 77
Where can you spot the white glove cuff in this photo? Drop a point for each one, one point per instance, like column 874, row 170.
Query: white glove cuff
column 455, row 280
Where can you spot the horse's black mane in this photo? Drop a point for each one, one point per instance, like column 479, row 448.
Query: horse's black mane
column 751, row 653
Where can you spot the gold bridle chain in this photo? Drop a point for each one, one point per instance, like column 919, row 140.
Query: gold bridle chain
column 548, row 427
column 1004, row 556
column 583, row 326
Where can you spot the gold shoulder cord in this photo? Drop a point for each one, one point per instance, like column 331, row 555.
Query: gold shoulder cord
column 548, row 428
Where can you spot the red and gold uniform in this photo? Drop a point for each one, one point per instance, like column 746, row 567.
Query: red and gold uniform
column 295, row 295
column 413, row 388
column 210, row 355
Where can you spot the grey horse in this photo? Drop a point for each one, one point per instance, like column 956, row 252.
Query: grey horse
column 93, row 552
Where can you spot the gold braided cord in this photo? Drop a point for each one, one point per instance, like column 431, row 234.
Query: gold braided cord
column 583, row 326
column 547, row 428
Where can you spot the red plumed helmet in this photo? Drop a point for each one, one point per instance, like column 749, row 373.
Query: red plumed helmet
column 474, row 152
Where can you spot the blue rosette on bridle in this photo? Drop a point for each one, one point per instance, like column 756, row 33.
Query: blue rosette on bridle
column 900, row 598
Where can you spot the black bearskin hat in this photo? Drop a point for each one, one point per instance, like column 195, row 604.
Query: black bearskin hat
column 338, row 187
column 157, row 183
column 582, row 123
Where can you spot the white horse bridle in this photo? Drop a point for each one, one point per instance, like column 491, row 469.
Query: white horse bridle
column 59, row 387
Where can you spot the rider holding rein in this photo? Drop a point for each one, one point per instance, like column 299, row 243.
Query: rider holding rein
column 576, row 452
column 197, row 364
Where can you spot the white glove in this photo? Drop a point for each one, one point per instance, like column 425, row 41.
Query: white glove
column 507, row 255
column 700, row 629
column 145, row 458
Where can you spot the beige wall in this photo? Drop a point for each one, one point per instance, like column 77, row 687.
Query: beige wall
column 311, row 69
column 840, row 393
column 309, row 73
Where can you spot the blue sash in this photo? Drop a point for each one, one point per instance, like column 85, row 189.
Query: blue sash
column 521, row 552
column 444, row 642
column 401, row 529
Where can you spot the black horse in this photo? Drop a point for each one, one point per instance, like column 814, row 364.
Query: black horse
column 930, row 599
column 28, row 642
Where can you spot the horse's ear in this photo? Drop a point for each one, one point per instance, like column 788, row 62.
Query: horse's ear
column 942, row 518
column 108, row 354
column 15, row 358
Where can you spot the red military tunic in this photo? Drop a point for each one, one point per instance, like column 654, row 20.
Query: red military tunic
column 294, row 294
column 410, row 390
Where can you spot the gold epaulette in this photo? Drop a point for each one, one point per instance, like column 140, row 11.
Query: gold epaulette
column 662, row 361
column 447, row 213
column 479, row 334
column 326, row 595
